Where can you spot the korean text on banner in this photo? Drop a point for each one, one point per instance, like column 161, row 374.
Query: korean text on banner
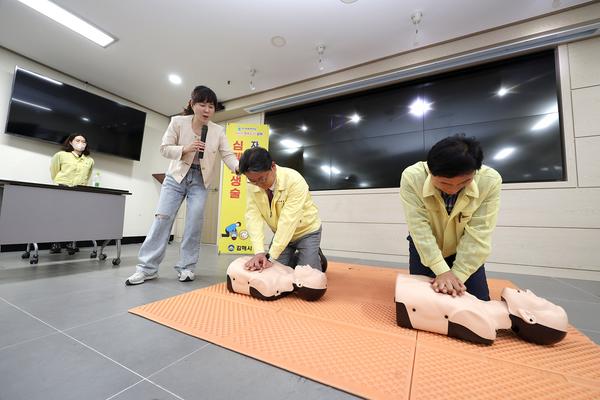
column 233, row 237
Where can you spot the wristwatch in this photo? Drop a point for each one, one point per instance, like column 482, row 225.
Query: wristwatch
column 267, row 256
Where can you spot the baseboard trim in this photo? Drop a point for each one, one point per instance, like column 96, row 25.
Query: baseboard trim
column 5, row 248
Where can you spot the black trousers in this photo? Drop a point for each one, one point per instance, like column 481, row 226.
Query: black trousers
column 476, row 284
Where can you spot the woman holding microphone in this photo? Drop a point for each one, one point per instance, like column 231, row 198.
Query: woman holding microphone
column 189, row 173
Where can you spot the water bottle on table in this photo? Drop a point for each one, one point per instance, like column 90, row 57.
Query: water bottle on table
column 96, row 180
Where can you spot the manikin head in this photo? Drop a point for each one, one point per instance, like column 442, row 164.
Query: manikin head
column 533, row 318
column 310, row 283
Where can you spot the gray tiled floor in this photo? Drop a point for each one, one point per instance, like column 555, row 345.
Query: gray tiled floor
column 65, row 333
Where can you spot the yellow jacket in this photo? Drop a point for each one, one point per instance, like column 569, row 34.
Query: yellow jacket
column 466, row 232
column 68, row 169
column 291, row 215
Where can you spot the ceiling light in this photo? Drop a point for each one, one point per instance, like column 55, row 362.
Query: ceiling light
column 504, row 153
column 175, row 79
column 355, row 118
column 86, row 119
column 502, row 91
column 31, row 104
column 330, row 170
column 40, row 76
column 290, row 144
column 69, row 20
column 419, row 107
column 303, row 128
column 278, row 41
column 546, row 120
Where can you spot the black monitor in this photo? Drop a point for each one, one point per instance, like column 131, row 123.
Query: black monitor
column 366, row 139
column 46, row 109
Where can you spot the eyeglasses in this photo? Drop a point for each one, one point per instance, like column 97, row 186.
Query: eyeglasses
column 260, row 180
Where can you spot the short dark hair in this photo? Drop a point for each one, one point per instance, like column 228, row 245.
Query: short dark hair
column 255, row 159
column 66, row 146
column 200, row 94
column 454, row 156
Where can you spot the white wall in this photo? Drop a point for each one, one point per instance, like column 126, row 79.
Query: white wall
column 550, row 228
column 24, row 159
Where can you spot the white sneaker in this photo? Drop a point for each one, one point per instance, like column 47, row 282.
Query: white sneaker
column 139, row 277
column 186, row 276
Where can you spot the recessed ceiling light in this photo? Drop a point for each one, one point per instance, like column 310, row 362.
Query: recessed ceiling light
column 64, row 17
column 504, row 153
column 355, row 118
column 330, row 170
column 419, row 107
column 303, row 128
column 175, row 79
column 502, row 91
column 278, row 41
column 290, row 144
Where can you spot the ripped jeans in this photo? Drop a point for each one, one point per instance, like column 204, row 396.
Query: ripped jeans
column 172, row 194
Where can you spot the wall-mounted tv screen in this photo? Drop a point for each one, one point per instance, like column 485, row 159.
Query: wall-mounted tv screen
column 366, row 139
column 46, row 109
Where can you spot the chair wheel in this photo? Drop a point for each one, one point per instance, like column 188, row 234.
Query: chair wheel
column 102, row 256
column 25, row 255
column 71, row 252
column 116, row 261
column 93, row 254
column 33, row 261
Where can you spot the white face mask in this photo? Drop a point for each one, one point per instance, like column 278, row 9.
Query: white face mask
column 78, row 146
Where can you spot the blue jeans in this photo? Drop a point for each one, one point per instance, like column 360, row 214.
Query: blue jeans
column 172, row 194
column 476, row 284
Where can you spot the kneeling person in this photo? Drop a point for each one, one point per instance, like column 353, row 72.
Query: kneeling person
column 279, row 196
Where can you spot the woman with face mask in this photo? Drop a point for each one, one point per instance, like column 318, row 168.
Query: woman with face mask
column 72, row 166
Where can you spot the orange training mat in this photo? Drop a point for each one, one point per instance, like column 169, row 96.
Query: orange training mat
column 349, row 340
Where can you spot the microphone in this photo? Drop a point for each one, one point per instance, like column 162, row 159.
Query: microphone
column 203, row 139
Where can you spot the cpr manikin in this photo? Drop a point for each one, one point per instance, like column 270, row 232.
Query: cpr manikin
column 466, row 317
column 276, row 281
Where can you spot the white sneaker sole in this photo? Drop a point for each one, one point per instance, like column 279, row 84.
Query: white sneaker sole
column 149, row 278
column 187, row 279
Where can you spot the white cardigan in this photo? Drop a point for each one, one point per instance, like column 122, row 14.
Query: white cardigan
column 180, row 133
